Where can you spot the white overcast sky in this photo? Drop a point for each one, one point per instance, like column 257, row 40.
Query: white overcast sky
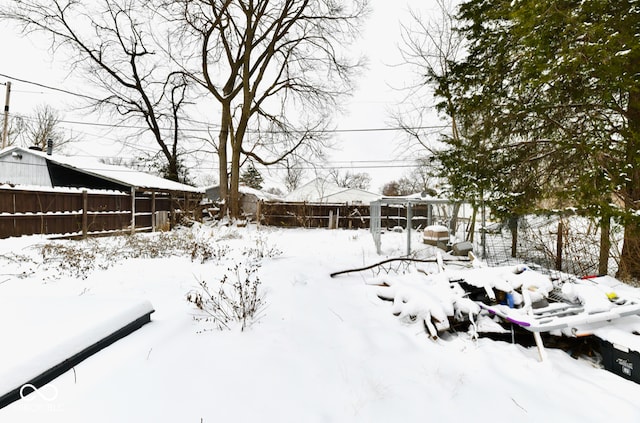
column 379, row 153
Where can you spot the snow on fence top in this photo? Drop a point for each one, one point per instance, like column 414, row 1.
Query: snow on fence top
column 61, row 190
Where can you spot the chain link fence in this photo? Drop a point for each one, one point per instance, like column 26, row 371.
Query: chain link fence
column 559, row 245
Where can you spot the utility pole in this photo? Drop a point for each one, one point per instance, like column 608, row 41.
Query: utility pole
column 5, row 128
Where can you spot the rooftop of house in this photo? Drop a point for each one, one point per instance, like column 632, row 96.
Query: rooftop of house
column 118, row 175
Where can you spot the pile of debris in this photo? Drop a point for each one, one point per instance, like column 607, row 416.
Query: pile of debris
column 488, row 300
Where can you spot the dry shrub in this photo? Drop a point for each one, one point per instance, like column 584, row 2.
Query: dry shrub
column 237, row 298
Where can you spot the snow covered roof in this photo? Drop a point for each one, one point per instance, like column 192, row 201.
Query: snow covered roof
column 261, row 195
column 323, row 191
column 213, row 191
column 117, row 174
column 417, row 198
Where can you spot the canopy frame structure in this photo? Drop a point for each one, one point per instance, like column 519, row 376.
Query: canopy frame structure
column 409, row 203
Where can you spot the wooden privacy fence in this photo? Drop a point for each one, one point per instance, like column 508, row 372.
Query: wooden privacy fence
column 75, row 212
column 337, row 215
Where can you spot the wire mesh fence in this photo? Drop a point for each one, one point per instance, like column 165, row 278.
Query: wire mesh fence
column 558, row 245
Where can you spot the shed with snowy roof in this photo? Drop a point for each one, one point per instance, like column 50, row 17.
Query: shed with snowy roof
column 52, row 193
column 249, row 198
column 21, row 166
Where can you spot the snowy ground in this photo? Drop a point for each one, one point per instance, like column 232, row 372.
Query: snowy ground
column 324, row 350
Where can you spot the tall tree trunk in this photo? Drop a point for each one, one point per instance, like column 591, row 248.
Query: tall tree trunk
column 234, row 194
column 223, row 172
column 237, row 136
column 172, row 169
column 605, row 245
column 453, row 223
column 630, row 257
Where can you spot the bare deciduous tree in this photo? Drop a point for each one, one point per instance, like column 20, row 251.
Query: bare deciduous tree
column 275, row 68
column 15, row 129
column 114, row 44
column 350, row 180
column 294, row 173
column 429, row 47
column 42, row 125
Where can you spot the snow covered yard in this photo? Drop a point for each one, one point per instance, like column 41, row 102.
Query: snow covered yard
column 323, row 350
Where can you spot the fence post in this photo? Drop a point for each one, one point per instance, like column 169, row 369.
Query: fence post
column 513, row 227
column 559, row 246
column 85, row 206
column 172, row 211
column 153, row 211
column 133, row 210
column 15, row 224
column 409, row 227
column 258, row 212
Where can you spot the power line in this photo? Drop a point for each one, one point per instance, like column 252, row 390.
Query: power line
column 37, row 84
column 213, row 126
column 124, row 169
column 319, row 131
column 380, row 166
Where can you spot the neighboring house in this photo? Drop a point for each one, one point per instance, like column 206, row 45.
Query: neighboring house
column 20, row 166
column 249, row 198
column 322, row 191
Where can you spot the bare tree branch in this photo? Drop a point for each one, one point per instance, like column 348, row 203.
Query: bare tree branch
column 110, row 42
column 269, row 65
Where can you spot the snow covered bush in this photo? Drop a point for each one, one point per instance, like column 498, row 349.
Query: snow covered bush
column 73, row 259
column 237, row 298
column 16, row 265
column 262, row 248
column 79, row 258
column 229, row 233
column 205, row 252
column 166, row 244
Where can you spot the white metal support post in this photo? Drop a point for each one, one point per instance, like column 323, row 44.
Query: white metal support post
column 409, row 230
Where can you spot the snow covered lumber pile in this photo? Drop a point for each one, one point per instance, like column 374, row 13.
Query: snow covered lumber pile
column 430, row 299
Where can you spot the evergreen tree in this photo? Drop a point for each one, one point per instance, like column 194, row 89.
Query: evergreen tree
column 548, row 106
column 391, row 189
column 252, row 178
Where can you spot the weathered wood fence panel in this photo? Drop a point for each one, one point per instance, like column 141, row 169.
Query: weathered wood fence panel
column 313, row 215
column 27, row 212
column 350, row 216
